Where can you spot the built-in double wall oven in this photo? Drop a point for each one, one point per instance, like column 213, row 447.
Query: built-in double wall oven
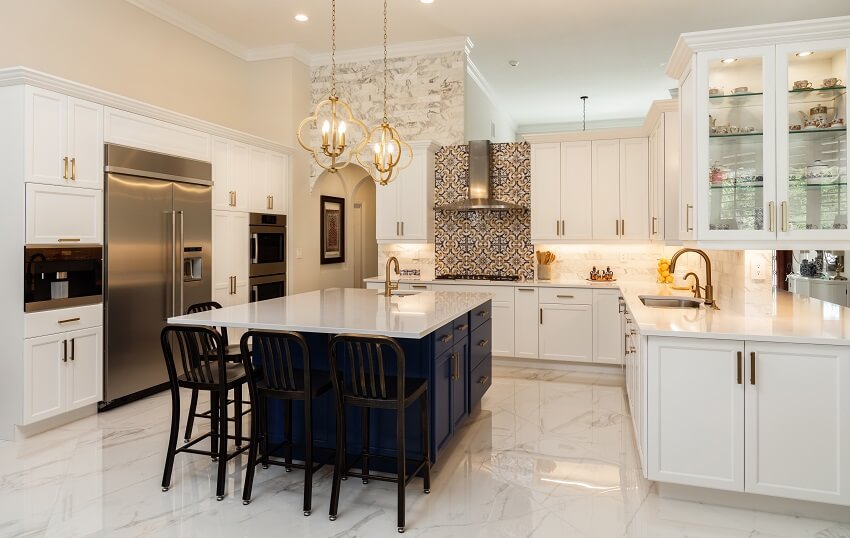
column 268, row 256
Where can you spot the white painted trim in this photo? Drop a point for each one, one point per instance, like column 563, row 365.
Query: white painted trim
column 753, row 36
column 23, row 75
column 397, row 50
column 286, row 50
column 479, row 80
column 563, row 366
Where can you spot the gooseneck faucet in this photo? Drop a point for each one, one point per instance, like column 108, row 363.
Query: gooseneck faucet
column 709, row 289
column 389, row 285
column 696, row 287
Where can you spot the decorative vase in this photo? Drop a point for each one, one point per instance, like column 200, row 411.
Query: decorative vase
column 544, row 272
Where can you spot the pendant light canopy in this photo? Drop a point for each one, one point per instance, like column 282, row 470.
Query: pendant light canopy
column 384, row 152
column 341, row 133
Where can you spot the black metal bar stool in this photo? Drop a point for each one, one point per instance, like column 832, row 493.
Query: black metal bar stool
column 283, row 373
column 368, row 359
column 200, row 353
column 231, row 354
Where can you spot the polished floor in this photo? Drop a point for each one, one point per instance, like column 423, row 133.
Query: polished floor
column 548, row 455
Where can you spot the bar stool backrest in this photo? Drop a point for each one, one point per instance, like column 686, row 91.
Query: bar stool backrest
column 371, row 360
column 278, row 355
column 199, row 352
column 206, row 307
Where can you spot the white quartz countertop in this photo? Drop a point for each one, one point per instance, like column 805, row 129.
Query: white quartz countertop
column 777, row 317
column 343, row 310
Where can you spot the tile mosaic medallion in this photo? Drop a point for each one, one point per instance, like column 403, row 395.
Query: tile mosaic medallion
column 489, row 242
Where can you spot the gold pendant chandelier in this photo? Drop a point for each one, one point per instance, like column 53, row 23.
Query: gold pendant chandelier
column 384, row 153
column 334, row 119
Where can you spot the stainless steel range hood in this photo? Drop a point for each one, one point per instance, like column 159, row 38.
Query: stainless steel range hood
column 479, row 183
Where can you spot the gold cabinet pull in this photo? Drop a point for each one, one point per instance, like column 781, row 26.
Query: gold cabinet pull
column 688, row 226
column 69, row 320
column 541, row 316
column 69, row 239
column 557, row 228
column 653, row 225
column 566, row 296
column 483, row 379
column 271, row 201
column 419, row 286
column 525, row 289
column 563, row 228
column 446, row 338
column 72, row 348
column 64, row 351
column 771, row 213
column 65, row 173
column 740, row 367
column 73, row 178
column 622, row 227
column 483, row 343
column 617, row 226
column 752, row 367
column 784, row 208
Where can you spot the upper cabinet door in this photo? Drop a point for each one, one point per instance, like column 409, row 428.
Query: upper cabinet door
column 546, row 191
column 258, row 189
column 413, row 199
column 46, row 141
column 85, row 143
column 278, row 182
column 387, row 224
column 576, row 177
column 811, row 128
column 686, row 209
column 735, row 153
column 239, row 176
column 65, row 215
column 221, row 191
column 634, row 189
column 606, row 189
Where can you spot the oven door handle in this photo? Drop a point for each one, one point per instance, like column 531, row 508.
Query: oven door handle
column 254, row 247
column 254, row 291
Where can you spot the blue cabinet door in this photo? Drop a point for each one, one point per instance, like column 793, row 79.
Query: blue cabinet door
column 441, row 401
column 460, row 382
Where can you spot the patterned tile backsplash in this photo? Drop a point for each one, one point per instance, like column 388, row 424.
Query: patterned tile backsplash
column 489, row 242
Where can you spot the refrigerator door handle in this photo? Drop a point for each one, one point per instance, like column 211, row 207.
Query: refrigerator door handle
column 179, row 269
column 254, row 247
column 173, row 264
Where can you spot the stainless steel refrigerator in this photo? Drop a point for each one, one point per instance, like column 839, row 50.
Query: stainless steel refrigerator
column 158, row 261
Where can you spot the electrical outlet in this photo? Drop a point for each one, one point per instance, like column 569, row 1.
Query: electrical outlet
column 758, row 270
column 299, row 253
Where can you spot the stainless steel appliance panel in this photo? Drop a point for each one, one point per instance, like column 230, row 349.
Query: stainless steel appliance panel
column 140, row 268
column 192, row 205
column 267, row 287
column 268, row 244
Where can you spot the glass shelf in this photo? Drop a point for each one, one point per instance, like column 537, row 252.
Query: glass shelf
column 735, row 100
column 736, row 186
column 815, row 131
column 733, row 135
column 816, row 95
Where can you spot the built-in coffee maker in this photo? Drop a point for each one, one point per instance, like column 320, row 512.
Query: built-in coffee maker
column 61, row 277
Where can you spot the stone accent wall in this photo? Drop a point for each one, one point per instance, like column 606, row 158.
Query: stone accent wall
column 484, row 242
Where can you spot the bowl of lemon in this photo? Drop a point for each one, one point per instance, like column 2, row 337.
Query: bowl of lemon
column 664, row 275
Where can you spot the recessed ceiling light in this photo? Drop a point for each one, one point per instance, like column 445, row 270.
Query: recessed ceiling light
column 805, row 53
column 513, row 63
column 427, row 1
column 302, row 17
column 728, row 60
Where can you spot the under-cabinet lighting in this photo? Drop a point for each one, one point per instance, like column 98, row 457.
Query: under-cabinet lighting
column 728, row 60
column 805, row 53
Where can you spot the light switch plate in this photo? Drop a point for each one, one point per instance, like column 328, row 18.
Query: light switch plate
column 299, row 253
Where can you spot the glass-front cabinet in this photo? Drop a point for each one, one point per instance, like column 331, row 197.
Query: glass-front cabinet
column 737, row 162
column 812, row 117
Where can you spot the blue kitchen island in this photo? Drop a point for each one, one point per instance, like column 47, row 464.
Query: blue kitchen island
column 446, row 337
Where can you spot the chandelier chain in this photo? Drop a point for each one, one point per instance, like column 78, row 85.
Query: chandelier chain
column 333, row 47
column 385, row 62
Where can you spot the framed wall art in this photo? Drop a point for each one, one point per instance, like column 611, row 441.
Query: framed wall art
column 332, row 226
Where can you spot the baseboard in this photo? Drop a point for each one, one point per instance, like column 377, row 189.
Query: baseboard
column 55, row 422
column 561, row 366
column 752, row 501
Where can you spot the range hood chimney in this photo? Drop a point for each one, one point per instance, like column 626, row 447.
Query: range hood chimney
column 479, row 197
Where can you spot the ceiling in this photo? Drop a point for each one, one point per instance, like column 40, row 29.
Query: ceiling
column 611, row 50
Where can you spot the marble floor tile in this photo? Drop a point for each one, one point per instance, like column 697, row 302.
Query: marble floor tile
column 548, row 454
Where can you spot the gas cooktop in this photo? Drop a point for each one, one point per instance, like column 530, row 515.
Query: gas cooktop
column 466, row 276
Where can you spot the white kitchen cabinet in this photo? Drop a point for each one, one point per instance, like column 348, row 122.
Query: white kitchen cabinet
column 66, row 215
column 277, row 183
column 656, row 181
column 405, row 207
column 526, row 324
column 258, row 174
column 634, row 189
column 503, row 328
column 231, row 257
column 63, row 140
column 242, row 178
column 137, row 131
column 798, row 421
column 606, row 189
column 695, row 400
column 565, row 332
column 222, row 197
column 607, row 332
column 62, row 372
column 561, row 191
column 749, row 167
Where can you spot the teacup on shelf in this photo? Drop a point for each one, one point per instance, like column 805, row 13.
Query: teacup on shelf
column 722, row 129
column 795, row 127
column 831, row 82
column 837, row 122
column 715, row 91
column 748, row 129
column 733, row 129
column 802, row 84
column 741, row 89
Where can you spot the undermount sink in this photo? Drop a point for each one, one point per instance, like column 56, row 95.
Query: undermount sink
column 400, row 293
column 669, row 302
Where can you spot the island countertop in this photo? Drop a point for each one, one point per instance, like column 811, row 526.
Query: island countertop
column 341, row 310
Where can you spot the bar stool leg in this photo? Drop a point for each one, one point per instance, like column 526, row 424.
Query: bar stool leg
column 222, row 449
column 215, row 411
column 193, row 410
column 426, row 440
column 308, row 455
column 364, row 453
column 172, row 439
column 339, row 466
column 264, row 426
column 252, row 456
column 237, row 414
column 287, row 447
column 402, row 465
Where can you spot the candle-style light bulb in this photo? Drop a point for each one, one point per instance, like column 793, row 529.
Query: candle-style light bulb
column 326, row 127
column 342, row 134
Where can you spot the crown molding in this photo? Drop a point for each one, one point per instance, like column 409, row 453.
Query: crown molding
column 23, row 75
column 692, row 43
column 397, row 50
column 274, row 52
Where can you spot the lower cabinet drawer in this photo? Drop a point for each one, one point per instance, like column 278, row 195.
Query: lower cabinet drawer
column 63, row 319
column 480, row 380
column 481, row 314
column 566, row 295
column 481, row 344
